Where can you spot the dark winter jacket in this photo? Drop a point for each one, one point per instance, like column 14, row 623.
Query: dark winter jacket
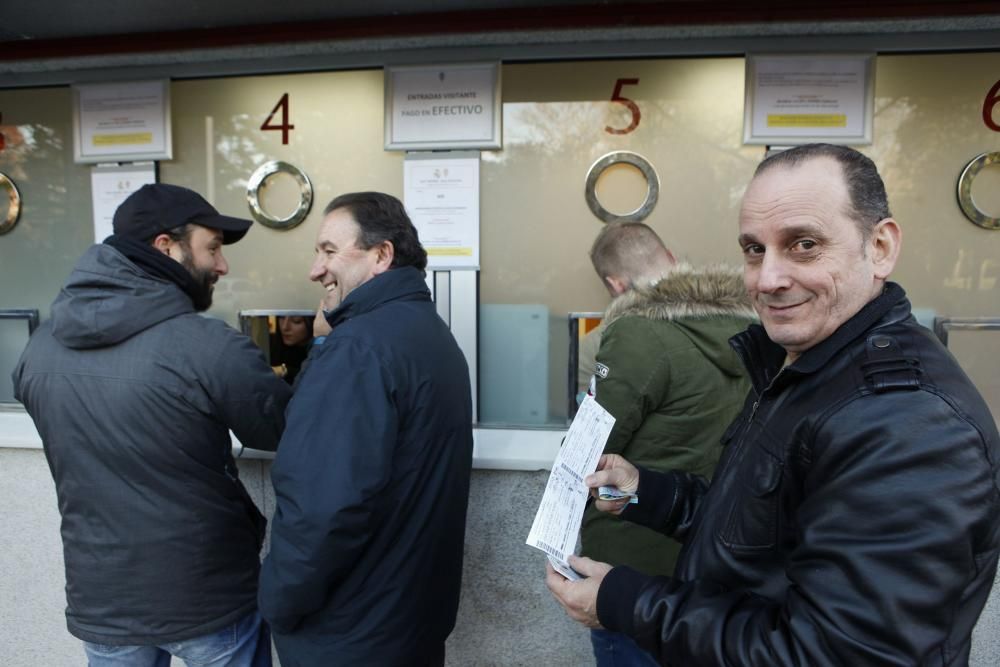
column 372, row 485
column 134, row 395
column 673, row 385
column 854, row 518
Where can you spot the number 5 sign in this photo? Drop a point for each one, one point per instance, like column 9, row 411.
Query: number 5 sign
column 616, row 96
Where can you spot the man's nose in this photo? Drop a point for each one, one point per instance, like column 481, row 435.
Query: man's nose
column 221, row 265
column 317, row 270
column 772, row 274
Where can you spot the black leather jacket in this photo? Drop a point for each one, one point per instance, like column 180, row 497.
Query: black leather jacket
column 854, row 518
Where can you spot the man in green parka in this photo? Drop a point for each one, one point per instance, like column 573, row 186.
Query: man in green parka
column 666, row 373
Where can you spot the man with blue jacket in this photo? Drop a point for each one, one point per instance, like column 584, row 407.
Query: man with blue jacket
column 372, row 480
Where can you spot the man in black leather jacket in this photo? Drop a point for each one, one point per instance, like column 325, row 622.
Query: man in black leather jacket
column 853, row 518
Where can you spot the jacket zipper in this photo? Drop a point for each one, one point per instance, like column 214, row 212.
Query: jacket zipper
column 739, row 444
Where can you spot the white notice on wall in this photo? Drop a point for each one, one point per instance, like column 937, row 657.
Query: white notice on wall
column 452, row 106
column 441, row 196
column 122, row 121
column 795, row 99
column 110, row 186
column 557, row 522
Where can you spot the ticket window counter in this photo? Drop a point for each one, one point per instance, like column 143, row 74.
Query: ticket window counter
column 518, row 356
column 536, row 223
column 284, row 336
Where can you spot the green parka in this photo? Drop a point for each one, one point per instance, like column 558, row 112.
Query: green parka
column 666, row 373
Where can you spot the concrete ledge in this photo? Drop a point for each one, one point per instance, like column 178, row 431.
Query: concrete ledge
column 493, row 448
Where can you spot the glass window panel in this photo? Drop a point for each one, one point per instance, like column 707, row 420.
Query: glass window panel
column 14, row 332
column 976, row 351
column 56, row 223
column 537, row 228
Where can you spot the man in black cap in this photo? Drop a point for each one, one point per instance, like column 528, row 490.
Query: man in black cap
column 134, row 395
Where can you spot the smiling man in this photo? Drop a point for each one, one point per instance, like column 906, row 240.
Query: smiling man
column 372, row 481
column 853, row 518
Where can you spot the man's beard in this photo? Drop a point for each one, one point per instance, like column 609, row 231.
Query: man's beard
column 204, row 283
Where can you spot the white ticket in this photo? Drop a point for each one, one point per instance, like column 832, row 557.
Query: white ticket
column 557, row 522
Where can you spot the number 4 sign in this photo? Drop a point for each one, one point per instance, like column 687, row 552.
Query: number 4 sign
column 285, row 126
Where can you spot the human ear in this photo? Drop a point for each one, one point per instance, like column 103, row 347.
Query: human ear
column 884, row 245
column 163, row 243
column 383, row 259
column 616, row 286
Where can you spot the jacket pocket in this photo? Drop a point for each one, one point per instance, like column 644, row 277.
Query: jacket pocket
column 752, row 524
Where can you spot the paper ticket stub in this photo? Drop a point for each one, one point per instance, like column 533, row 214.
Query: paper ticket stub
column 614, row 493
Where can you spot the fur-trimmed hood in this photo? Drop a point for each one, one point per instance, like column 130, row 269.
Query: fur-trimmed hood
column 686, row 292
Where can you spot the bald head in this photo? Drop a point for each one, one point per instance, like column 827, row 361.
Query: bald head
column 629, row 254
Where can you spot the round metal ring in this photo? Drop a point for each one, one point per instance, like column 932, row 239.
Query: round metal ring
column 14, row 209
column 257, row 180
column 968, row 206
column 626, row 157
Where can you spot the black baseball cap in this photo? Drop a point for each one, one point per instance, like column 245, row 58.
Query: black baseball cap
column 156, row 207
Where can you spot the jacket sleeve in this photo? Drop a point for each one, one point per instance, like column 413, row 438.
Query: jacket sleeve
column 636, row 383
column 334, row 461
column 250, row 398
column 897, row 518
column 668, row 501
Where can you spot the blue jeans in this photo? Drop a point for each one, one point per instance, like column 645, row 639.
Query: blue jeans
column 245, row 643
column 613, row 649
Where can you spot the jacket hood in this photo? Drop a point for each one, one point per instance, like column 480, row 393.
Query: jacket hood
column 702, row 303
column 686, row 292
column 108, row 299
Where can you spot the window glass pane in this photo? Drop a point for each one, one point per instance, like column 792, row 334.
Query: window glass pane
column 56, row 223
column 537, row 228
column 13, row 338
column 976, row 351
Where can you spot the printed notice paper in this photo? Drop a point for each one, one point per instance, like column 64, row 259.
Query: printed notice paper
column 557, row 522
column 441, row 194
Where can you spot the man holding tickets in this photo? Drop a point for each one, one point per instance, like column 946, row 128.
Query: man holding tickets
column 853, row 518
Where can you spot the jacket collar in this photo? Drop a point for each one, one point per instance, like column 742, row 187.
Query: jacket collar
column 763, row 358
column 402, row 284
column 711, row 291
